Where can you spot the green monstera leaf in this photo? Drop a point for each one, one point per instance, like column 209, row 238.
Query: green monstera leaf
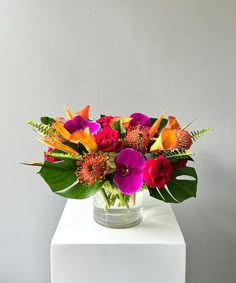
column 182, row 185
column 61, row 178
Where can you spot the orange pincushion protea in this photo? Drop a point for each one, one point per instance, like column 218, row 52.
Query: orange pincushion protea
column 91, row 168
column 138, row 138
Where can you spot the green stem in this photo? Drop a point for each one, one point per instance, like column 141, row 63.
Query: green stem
column 105, row 198
column 133, row 199
column 123, row 202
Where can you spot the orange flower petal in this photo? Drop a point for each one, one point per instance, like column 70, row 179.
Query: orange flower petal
column 154, row 128
column 61, row 130
column 84, row 112
column 77, row 136
column 85, row 139
column 69, row 113
column 172, row 123
column 169, row 138
column 53, row 135
column 125, row 121
column 58, row 145
column 157, row 145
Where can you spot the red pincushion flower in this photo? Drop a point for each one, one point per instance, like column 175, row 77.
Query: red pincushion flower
column 184, row 139
column 107, row 140
column 157, row 172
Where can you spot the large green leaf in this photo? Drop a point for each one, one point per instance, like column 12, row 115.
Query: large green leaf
column 61, row 178
column 59, row 175
column 178, row 188
column 80, row 191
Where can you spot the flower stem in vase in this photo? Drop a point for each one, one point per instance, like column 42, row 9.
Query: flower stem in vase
column 123, row 201
column 106, row 199
column 133, row 199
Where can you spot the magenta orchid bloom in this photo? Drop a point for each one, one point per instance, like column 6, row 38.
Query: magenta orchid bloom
column 129, row 175
column 140, row 119
column 79, row 123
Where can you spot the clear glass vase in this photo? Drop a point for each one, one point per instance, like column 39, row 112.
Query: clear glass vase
column 117, row 210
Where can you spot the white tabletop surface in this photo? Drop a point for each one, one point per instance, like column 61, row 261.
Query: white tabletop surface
column 77, row 226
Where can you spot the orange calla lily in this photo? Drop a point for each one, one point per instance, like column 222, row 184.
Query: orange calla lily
column 167, row 140
column 173, row 123
column 85, row 139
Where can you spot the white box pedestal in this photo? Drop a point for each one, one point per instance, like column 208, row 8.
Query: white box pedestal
column 84, row 252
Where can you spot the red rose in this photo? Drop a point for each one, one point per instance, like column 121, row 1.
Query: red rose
column 105, row 121
column 107, row 139
column 179, row 164
column 157, row 172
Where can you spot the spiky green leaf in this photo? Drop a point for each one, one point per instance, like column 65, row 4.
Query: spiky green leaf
column 62, row 155
column 40, row 127
column 177, row 154
column 199, row 133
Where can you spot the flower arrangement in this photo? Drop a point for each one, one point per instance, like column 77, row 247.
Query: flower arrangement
column 118, row 156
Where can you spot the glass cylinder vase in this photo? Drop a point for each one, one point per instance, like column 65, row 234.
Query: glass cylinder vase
column 117, row 210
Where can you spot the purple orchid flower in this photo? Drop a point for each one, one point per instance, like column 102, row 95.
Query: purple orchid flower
column 139, row 118
column 129, row 174
column 79, row 123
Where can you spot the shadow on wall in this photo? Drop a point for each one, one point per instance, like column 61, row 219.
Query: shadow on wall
column 209, row 227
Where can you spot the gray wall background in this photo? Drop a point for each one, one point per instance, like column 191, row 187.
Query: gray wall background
column 120, row 56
